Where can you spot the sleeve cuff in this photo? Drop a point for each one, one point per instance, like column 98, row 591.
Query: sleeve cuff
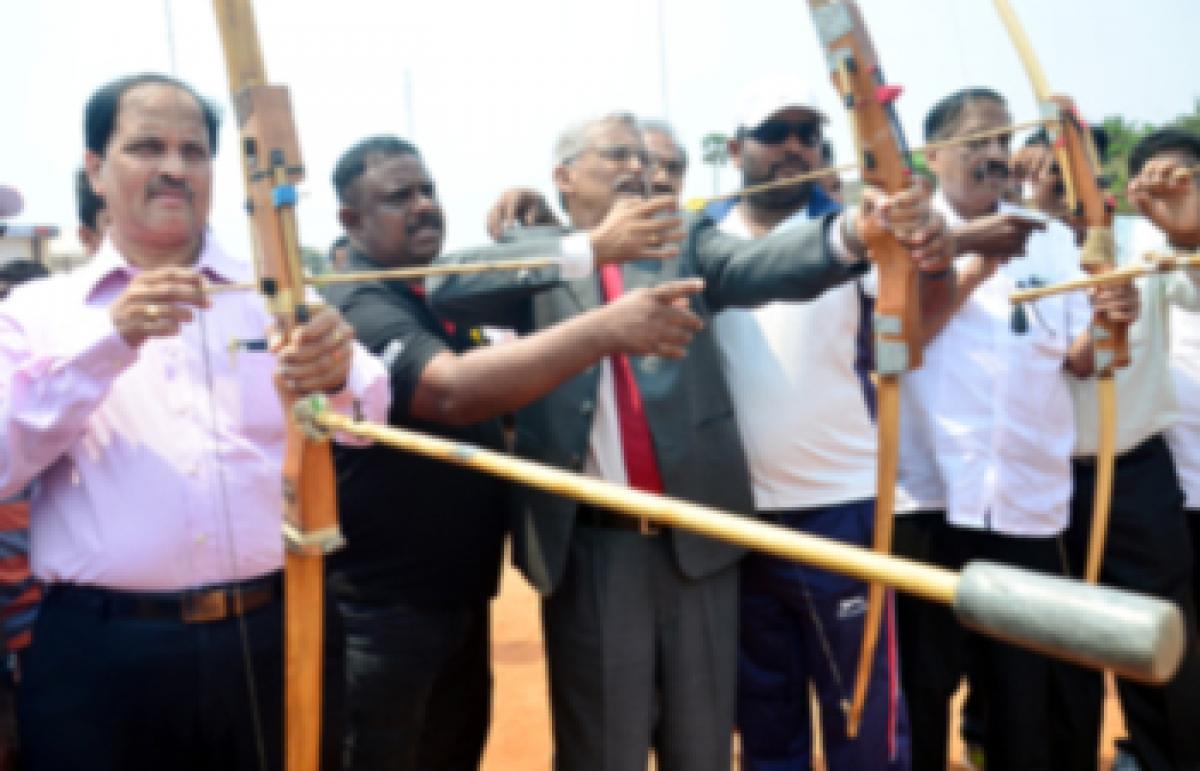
column 575, row 256
column 367, row 393
column 836, row 242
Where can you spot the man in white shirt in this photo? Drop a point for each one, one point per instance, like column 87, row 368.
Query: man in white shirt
column 798, row 374
column 986, row 437
column 1148, row 548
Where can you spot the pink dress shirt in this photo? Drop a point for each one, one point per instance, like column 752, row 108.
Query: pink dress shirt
column 158, row 468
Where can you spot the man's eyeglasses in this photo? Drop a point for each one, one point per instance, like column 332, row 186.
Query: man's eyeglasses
column 623, row 154
column 776, row 132
column 673, row 166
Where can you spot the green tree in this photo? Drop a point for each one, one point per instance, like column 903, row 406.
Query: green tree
column 314, row 261
column 1123, row 134
column 714, row 150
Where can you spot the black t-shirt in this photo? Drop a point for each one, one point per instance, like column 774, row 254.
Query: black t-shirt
column 418, row 531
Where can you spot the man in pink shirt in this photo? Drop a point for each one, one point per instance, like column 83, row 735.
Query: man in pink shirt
column 158, row 460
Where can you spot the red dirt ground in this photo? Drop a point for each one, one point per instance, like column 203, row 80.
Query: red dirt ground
column 520, row 737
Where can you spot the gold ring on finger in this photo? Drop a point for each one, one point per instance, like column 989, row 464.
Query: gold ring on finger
column 153, row 312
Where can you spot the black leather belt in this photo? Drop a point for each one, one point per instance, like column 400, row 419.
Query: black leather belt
column 590, row 516
column 190, row 606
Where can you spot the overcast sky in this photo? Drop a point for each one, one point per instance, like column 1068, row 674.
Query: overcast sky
column 490, row 84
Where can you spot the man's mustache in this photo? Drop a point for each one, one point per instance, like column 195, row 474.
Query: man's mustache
column 633, row 185
column 426, row 220
column 169, row 186
column 789, row 166
column 998, row 169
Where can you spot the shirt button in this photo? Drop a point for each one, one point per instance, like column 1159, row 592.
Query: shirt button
column 587, row 407
column 202, row 539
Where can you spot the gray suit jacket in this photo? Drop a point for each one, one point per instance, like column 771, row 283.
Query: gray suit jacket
column 687, row 402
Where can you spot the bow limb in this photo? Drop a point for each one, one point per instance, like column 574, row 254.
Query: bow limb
column 272, row 167
column 883, row 156
column 1077, row 158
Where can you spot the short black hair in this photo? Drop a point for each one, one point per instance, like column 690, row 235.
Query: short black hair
column 947, row 112
column 1099, row 139
column 20, row 271
column 87, row 204
column 354, row 161
column 1162, row 141
column 100, row 114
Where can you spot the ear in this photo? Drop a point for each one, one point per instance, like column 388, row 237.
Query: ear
column 733, row 146
column 87, row 237
column 92, row 163
column 563, row 180
column 933, row 159
column 349, row 218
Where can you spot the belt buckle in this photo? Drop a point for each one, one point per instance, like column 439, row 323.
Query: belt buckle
column 646, row 527
column 203, row 607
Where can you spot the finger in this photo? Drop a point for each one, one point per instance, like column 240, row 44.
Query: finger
column 158, row 291
column 659, row 253
column 1027, row 221
column 160, row 327
column 684, row 319
column 667, row 351
column 303, row 354
column 656, row 205
column 318, row 373
column 321, row 324
column 670, row 291
column 659, row 226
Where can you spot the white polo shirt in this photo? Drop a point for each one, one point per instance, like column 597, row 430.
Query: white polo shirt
column 1146, row 398
column 798, row 376
column 986, row 422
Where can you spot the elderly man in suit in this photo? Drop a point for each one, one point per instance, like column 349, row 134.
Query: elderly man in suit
column 641, row 624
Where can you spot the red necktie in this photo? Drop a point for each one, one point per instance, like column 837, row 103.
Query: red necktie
column 641, row 466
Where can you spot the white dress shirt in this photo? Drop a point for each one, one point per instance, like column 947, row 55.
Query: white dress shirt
column 986, row 421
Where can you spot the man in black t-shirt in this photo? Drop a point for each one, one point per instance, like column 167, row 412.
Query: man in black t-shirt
column 424, row 537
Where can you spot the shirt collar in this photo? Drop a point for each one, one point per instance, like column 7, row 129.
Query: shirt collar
column 110, row 266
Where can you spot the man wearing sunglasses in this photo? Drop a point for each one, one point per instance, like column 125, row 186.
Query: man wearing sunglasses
column 797, row 372
column 639, row 621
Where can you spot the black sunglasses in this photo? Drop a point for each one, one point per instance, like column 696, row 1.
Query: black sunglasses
column 776, row 132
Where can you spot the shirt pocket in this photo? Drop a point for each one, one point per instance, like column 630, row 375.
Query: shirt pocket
column 255, row 408
column 1048, row 337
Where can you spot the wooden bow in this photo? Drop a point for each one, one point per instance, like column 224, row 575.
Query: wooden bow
column 272, row 167
column 883, row 157
column 1079, row 165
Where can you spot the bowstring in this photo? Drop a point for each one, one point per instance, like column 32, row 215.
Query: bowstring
column 248, row 668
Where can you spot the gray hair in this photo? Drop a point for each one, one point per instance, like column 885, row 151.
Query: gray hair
column 575, row 138
column 664, row 128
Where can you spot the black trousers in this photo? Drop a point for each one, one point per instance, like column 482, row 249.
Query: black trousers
column 1193, row 520
column 1149, row 550
column 104, row 691
column 418, row 688
column 936, row 652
